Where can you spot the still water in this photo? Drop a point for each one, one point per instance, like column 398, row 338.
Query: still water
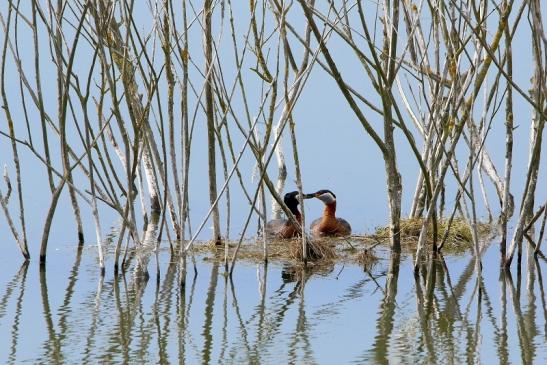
column 275, row 314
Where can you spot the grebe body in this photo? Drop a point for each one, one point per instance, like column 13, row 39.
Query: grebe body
column 329, row 225
column 284, row 228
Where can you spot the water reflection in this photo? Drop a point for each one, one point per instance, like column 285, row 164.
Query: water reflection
column 384, row 324
column 275, row 313
column 52, row 346
column 20, row 277
column 209, row 313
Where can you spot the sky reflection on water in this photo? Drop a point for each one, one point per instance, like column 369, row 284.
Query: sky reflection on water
column 274, row 314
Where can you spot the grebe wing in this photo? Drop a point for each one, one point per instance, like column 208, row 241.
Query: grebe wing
column 345, row 227
column 275, row 226
column 315, row 223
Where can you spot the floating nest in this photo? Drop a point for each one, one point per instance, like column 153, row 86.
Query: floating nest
column 316, row 250
column 459, row 237
column 355, row 249
column 320, row 251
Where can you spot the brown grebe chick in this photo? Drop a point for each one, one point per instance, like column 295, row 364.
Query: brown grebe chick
column 329, row 224
column 284, row 228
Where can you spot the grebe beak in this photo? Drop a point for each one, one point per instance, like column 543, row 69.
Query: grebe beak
column 309, row 196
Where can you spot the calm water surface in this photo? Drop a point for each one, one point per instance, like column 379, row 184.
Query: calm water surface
column 274, row 314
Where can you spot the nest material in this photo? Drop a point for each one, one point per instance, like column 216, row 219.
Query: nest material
column 459, row 235
column 316, row 250
column 366, row 257
column 279, row 249
column 323, row 251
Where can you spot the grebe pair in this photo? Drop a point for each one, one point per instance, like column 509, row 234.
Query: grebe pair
column 327, row 225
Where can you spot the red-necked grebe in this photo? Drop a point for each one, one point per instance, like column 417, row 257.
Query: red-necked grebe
column 284, row 228
column 329, row 224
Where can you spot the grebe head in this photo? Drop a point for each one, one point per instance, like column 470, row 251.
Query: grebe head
column 291, row 201
column 326, row 196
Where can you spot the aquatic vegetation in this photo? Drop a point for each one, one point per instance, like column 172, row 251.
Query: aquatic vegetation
column 459, row 237
column 181, row 126
column 125, row 113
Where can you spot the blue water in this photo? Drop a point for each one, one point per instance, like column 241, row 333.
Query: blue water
column 341, row 313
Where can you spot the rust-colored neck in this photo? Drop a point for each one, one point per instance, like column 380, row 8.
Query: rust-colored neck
column 330, row 210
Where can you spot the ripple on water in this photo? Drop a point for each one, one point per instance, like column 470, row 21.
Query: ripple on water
column 277, row 314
